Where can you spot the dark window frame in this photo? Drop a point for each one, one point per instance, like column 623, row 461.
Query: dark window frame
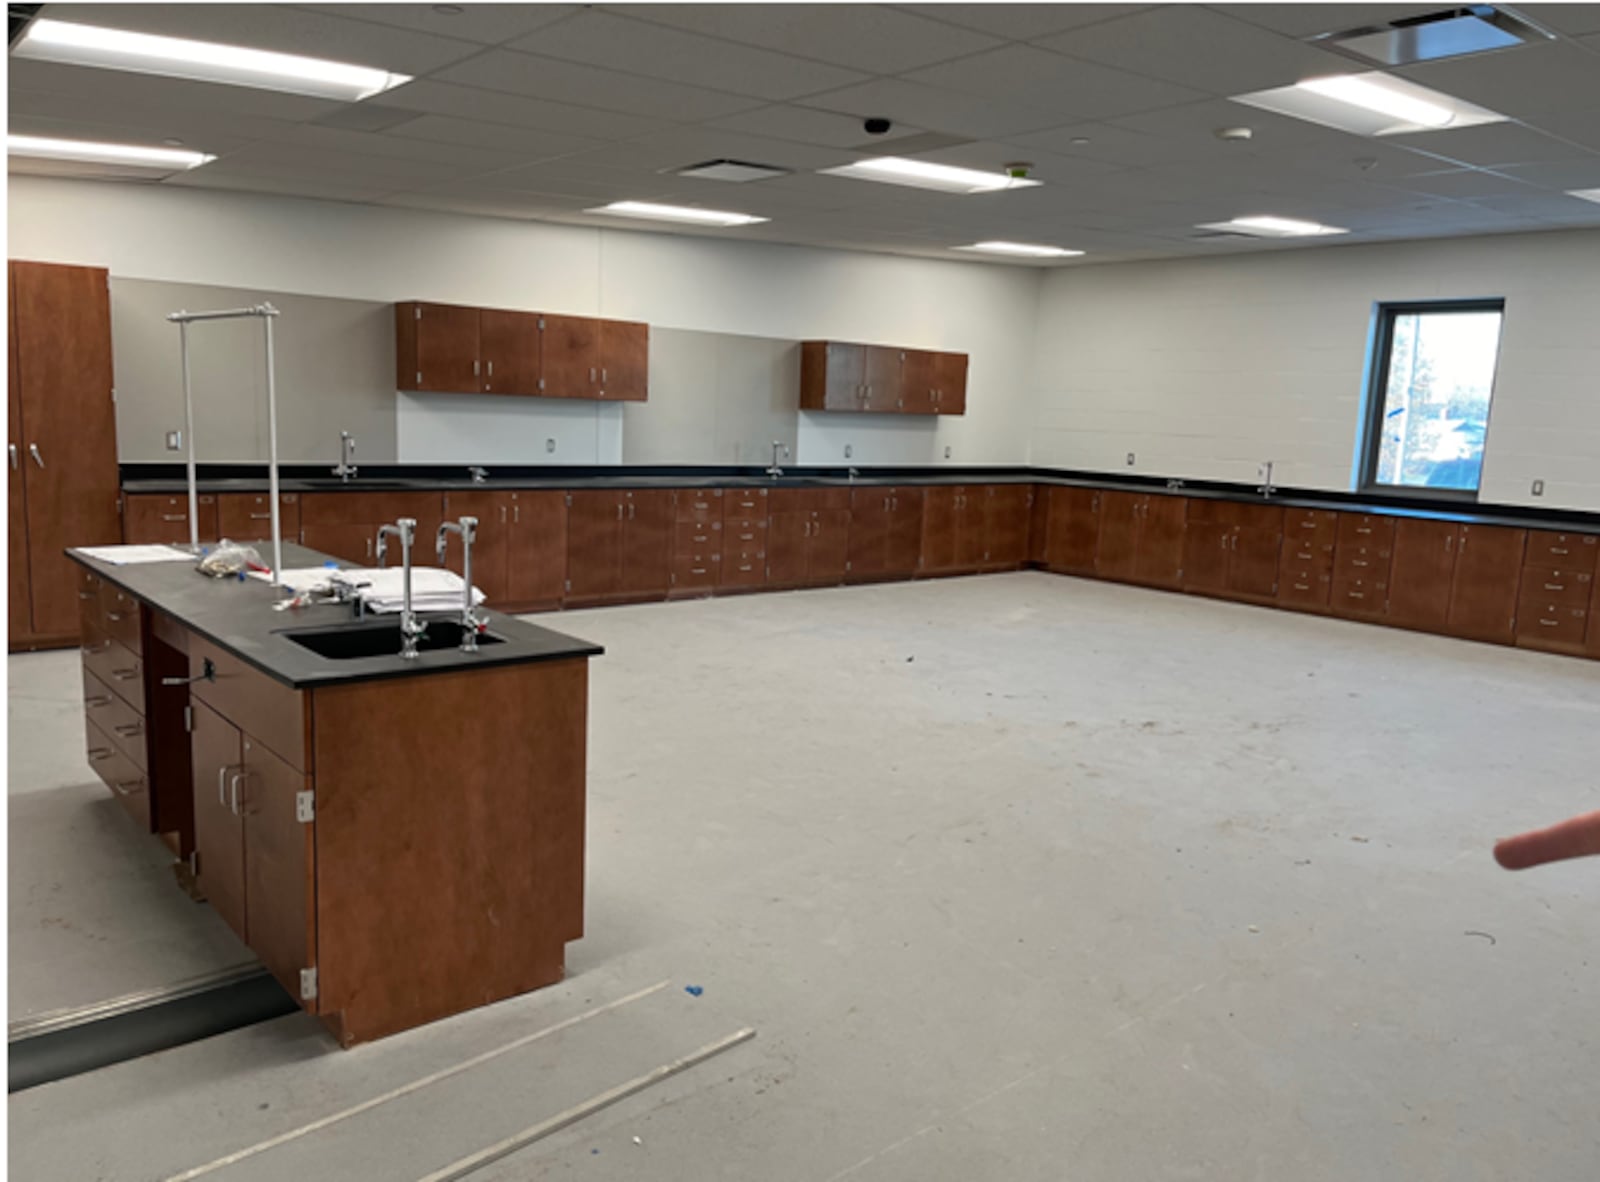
column 1377, row 395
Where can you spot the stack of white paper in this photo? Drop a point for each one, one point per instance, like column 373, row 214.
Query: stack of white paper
column 433, row 589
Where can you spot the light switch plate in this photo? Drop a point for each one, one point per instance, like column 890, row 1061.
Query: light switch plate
column 550, row 445
column 1538, row 488
column 1130, row 459
column 174, row 440
column 848, row 451
column 947, row 451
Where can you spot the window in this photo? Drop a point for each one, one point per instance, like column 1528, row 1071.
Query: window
column 1428, row 396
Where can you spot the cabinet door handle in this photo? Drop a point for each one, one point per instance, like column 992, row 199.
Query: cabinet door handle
column 96, row 754
column 125, row 674
column 502, row 514
column 95, row 701
column 233, row 791
column 129, row 730
column 369, row 547
column 1302, row 587
column 33, row 450
column 474, row 369
column 124, row 787
column 602, row 375
column 1557, row 550
column 1555, row 586
column 174, row 517
column 222, row 785
column 491, row 369
column 1549, row 623
column 261, row 517
column 1449, row 542
column 630, row 510
column 516, row 513
column 591, row 373
column 619, row 510
column 15, row 463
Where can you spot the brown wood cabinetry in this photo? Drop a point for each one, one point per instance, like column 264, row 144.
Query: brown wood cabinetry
column 155, row 518
column 885, row 533
column 955, row 529
column 1421, row 572
column 1361, row 561
column 437, row 348
column 744, row 537
column 571, row 357
column 346, row 524
column 624, row 361
column 808, row 535
column 536, row 550
column 1483, row 592
column 1232, row 549
column 1074, row 530
column 1008, row 509
column 248, row 516
column 512, row 352
column 1556, row 599
column 491, row 551
column 62, row 443
column 881, row 379
column 1305, row 568
column 619, row 545
column 1141, row 538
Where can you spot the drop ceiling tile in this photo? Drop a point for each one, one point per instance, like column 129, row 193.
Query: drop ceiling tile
column 1492, row 144
column 658, row 51
column 871, row 37
column 1573, row 19
column 936, row 109
column 1381, row 162
column 1579, row 125
column 1525, row 81
column 1196, row 47
column 1199, row 122
column 367, row 143
column 292, row 187
column 679, row 147
column 1023, row 22
column 110, row 90
column 493, row 106
column 1546, row 207
column 574, row 82
column 487, row 24
column 1307, row 20
column 196, row 139
column 528, row 143
column 1563, row 175
column 1113, row 144
column 522, row 207
column 1071, row 88
column 337, row 165
column 82, row 170
column 1049, row 167
column 807, row 126
column 1467, row 184
column 281, row 29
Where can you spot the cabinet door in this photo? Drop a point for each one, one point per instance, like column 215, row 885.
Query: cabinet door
column 1074, row 530
column 788, row 546
column 831, row 375
column 536, row 557
column 882, row 375
column 571, row 356
column 972, row 533
column 594, row 543
column 869, row 531
column 1483, row 593
column 950, row 390
column 1421, row 572
column 647, row 543
column 1253, row 561
column 489, row 551
column 248, row 516
column 919, row 377
column 444, row 357
column 155, row 518
column 1117, row 545
column 1205, row 556
column 1006, row 524
column 20, row 615
column 279, row 853
column 510, row 343
column 1593, row 647
column 218, row 828
column 353, row 543
column 904, row 542
column 941, row 508
column 1039, row 526
column 624, row 361
column 69, row 441
column 1161, row 528
column 830, row 545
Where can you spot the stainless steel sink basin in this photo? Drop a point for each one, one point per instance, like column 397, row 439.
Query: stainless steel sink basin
column 354, row 642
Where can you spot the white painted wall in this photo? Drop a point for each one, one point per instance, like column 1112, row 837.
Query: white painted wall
column 1204, row 368
column 707, row 284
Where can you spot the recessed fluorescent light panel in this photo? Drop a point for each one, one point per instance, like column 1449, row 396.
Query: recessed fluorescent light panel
column 1585, row 194
column 1370, row 104
column 1273, row 227
column 41, row 148
column 737, row 171
column 676, row 213
column 202, row 61
column 1022, row 250
column 922, row 174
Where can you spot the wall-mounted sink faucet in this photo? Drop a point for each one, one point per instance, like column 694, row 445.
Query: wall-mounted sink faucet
column 778, row 451
column 471, row 622
column 411, row 628
column 479, row 475
column 1266, row 488
column 345, row 469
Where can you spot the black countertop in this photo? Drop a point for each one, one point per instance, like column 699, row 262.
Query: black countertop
column 238, row 616
column 168, row 479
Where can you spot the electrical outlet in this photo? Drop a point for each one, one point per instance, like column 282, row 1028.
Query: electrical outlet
column 848, row 451
column 550, row 445
column 174, row 440
column 1538, row 488
column 1130, row 459
column 947, row 451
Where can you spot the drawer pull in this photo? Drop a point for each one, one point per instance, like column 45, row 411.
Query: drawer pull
column 174, row 517
column 1559, row 550
column 114, row 617
column 1357, row 595
column 125, row 787
column 1363, row 529
column 96, row 754
column 746, row 566
column 1361, row 562
column 1551, row 623
column 125, row 674
column 98, row 700
column 129, row 730
column 1555, row 586
column 697, row 570
column 261, row 517
column 87, row 595
column 1302, row 586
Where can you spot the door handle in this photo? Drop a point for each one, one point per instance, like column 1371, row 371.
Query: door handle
column 516, row 513
column 591, row 373
column 15, row 463
column 630, row 510
column 619, row 510
column 502, row 514
column 491, row 369
column 222, row 789
column 33, row 450
column 129, row 730
column 233, row 791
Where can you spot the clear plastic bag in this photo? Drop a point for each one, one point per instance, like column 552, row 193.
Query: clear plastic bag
column 229, row 559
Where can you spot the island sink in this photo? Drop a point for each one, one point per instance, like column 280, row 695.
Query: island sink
column 354, row 642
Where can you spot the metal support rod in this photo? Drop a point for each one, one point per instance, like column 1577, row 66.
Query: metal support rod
column 188, row 427
column 185, row 317
column 268, row 313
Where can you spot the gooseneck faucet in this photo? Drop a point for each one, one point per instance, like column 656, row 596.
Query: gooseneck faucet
column 777, row 448
column 1266, row 488
column 411, row 628
column 471, row 622
column 345, row 469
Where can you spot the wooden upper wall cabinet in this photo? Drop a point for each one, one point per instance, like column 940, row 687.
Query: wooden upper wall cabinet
column 881, row 379
column 450, row 349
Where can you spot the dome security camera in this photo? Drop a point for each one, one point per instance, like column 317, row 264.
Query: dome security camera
column 876, row 126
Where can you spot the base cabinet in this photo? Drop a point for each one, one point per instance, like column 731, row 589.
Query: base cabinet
column 1483, row 592
column 885, row 533
column 619, row 545
column 1074, row 530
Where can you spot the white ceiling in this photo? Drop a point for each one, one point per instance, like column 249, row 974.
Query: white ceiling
column 539, row 111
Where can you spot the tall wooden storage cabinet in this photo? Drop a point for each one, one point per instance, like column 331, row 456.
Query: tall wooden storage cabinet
column 62, row 444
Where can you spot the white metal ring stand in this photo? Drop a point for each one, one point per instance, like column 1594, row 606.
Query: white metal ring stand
column 266, row 312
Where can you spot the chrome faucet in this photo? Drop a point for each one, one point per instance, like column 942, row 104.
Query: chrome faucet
column 411, row 628
column 479, row 475
column 345, row 469
column 471, row 622
column 854, row 472
column 1265, row 488
column 776, row 470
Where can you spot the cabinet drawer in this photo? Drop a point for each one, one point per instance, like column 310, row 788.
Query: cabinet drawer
column 698, row 504
column 744, row 568
column 127, row 781
column 808, row 500
column 1551, row 623
column 1565, row 551
column 1304, row 588
column 120, row 613
column 267, row 710
column 744, row 533
column 1366, row 529
column 1557, row 586
column 746, row 502
column 114, row 666
column 698, row 535
column 1297, row 551
column 693, row 570
column 1360, row 596
column 114, row 718
column 1362, row 561
column 1321, row 524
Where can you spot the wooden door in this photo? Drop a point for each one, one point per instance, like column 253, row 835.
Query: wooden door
column 972, row 532
column 352, row 543
column 594, row 543
column 69, row 444
column 248, row 516
column 439, row 348
column 1074, row 529
column 1593, row 647
column 904, row 540
column 19, row 601
column 1006, row 524
column 510, row 343
column 1117, row 544
column 1039, row 526
column 218, row 829
column 490, row 572
column 570, row 357
column 647, row 542
column 1483, row 591
column 536, row 558
column 788, row 547
column 1205, row 556
column 882, row 375
column 279, row 867
column 941, row 508
column 919, row 375
column 831, row 375
column 869, row 531
column 624, row 361
column 1253, row 559
column 950, row 390
column 1421, row 572
column 830, row 547
column 1161, row 528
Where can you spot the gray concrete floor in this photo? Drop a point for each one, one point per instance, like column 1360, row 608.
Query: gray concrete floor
column 1018, row 877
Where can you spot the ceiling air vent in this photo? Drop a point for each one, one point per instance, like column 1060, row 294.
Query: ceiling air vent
column 737, row 171
column 1451, row 32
